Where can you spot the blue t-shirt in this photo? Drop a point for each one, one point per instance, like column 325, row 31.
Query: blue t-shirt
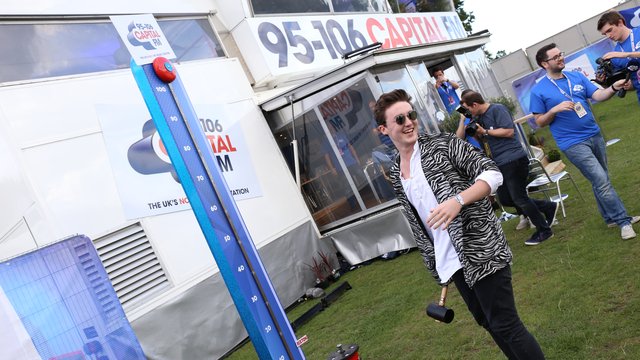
column 503, row 150
column 449, row 96
column 471, row 139
column 567, row 127
column 621, row 63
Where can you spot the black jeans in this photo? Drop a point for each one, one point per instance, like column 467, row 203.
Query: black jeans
column 492, row 305
column 505, row 199
column 515, row 174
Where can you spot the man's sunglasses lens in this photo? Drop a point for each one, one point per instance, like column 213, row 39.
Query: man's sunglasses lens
column 411, row 115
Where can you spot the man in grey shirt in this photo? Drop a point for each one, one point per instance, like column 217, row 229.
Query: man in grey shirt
column 495, row 126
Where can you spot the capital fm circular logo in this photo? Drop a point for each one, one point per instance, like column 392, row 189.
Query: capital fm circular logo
column 143, row 34
column 148, row 155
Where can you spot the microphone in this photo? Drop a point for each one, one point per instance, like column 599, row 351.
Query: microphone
column 622, row 92
column 632, row 67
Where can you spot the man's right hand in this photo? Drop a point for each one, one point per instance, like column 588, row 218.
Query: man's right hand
column 563, row 106
column 614, row 54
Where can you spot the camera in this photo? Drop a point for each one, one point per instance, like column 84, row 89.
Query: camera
column 472, row 126
column 606, row 73
column 464, row 111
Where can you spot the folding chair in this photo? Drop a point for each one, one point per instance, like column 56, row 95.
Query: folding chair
column 542, row 180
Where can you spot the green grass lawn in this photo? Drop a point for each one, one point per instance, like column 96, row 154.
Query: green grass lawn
column 578, row 293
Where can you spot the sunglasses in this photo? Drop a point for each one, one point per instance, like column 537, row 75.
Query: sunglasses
column 412, row 115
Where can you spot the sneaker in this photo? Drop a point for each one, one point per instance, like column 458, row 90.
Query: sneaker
column 551, row 214
column 627, row 232
column 634, row 220
column 539, row 237
column 505, row 216
column 524, row 222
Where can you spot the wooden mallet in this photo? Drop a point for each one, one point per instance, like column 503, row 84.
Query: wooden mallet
column 439, row 311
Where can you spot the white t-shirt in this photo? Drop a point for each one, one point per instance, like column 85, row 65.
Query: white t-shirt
column 421, row 196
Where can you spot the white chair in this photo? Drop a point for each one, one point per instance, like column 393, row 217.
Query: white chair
column 542, row 180
column 545, row 182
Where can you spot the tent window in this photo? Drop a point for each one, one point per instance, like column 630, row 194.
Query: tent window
column 343, row 160
column 261, row 7
column 35, row 51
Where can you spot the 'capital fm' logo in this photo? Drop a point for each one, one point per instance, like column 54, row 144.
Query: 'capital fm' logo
column 148, row 155
column 142, row 34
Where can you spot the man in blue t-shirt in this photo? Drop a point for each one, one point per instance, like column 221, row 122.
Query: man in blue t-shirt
column 495, row 125
column 446, row 89
column 560, row 100
column 612, row 25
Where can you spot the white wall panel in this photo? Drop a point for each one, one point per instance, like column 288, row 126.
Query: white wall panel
column 180, row 245
column 52, row 111
column 56, row 127
column 231, row 13
column 73, row 180
column 16, row 241
column 14, row 192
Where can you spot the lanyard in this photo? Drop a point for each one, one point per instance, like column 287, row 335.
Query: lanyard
column 633, row 43
column 570, row 94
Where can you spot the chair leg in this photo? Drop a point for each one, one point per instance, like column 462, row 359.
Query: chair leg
column 564, row 214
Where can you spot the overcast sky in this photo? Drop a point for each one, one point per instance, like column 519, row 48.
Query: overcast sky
column 516, row 24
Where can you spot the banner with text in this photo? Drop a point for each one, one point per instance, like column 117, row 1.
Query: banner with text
column 146, row 180
column 292, row 44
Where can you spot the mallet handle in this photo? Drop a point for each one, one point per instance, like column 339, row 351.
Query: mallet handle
column 443, row 296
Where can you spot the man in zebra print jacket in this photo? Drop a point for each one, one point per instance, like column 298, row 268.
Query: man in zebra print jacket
column 443, row 184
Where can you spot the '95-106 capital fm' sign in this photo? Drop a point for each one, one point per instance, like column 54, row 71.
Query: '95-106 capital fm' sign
column 290, row 44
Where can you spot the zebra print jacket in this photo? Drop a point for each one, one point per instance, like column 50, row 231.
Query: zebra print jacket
column 450, row 166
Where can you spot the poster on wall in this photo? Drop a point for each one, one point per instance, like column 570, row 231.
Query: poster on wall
column 143, row 37
column 583, row 60
column 146, row 180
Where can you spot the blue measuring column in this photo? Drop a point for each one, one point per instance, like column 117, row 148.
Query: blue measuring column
column 216, row 211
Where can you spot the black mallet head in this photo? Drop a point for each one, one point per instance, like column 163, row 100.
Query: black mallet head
column 439, row 311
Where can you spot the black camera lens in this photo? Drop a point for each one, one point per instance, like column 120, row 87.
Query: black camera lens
column 464, row 111
column 471, row 129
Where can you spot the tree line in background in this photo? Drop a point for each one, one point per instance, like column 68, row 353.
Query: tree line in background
column 467, row 18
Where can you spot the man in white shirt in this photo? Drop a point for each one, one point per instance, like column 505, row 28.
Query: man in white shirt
column 443, row 184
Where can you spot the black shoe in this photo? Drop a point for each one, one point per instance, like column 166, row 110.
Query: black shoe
column 539, row 237
column 551, row 213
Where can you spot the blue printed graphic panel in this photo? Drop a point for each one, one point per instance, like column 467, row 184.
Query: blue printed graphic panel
column 67, row 304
